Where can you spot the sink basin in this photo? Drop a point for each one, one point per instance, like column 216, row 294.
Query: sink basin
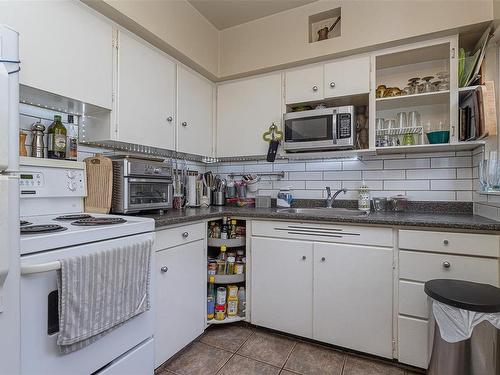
column 325, row 211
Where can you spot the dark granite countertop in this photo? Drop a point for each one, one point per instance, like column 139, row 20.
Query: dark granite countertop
column 450, row 221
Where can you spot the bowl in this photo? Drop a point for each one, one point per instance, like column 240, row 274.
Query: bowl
column 441, row 136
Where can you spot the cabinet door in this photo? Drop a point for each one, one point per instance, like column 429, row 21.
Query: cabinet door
column 65, row 48
column 245, row 110
column 180, row 292
column 353, row 297
column 146, row 96
column 282, row 285
column 347, row 77
column 195, row 113
column 304, row 85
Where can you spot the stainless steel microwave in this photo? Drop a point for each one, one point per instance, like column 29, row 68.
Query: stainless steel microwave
column 320, row 129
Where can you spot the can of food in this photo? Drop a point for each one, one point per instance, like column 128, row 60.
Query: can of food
column 239, row 268
column 212, row 268
column 221, row 296
column 232, row 291
column 220, row 312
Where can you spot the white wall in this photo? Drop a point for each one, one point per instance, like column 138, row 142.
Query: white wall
column 282, row 38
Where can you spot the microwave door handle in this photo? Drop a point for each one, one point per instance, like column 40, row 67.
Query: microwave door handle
column 334, row 126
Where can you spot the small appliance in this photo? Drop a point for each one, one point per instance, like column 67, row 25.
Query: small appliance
column 320, row 129
column 141, row 184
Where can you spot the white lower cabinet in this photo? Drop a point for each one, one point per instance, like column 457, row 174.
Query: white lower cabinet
column 282, row 278
column 180, row 295
column 353, row 297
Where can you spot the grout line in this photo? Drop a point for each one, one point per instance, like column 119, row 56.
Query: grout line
column 344, row 363
column 289, row 354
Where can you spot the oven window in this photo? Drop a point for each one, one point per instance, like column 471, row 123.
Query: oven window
column 309, row 129
column 53, row 313
column 148, row 193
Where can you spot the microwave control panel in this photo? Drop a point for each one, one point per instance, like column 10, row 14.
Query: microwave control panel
column 344, row 128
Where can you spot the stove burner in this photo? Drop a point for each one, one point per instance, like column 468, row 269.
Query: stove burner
column 74, row 217
column 95, row 221
column 44, row 228
column 24, row 222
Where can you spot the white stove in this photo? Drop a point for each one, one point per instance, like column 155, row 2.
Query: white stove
column 50, row 189
column 73, row 235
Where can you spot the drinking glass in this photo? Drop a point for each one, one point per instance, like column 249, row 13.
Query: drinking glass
column 401, row 120
column 483, row 173
column 492, row 175
column 414, row 119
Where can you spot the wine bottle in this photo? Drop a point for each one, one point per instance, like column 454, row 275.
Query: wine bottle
column 56, row 137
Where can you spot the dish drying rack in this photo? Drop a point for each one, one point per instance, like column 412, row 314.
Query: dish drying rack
column 400, row 131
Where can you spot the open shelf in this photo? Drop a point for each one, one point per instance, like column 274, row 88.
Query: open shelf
column 440, row 147
column 230, row 242
column 228, row 279
column 415, row 100
column 227, row 320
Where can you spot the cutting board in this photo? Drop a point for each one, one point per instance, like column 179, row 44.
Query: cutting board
column 99, row 184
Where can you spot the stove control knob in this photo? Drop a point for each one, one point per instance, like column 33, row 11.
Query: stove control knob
column 71, row 174
column 71, row 186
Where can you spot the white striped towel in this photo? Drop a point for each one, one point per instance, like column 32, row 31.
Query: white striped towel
column 99, row 291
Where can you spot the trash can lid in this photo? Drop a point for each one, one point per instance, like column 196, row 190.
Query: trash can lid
column 465, row 294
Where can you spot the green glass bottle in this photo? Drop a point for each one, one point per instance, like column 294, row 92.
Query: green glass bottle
column 56, row 139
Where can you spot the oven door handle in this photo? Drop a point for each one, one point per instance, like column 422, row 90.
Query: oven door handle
column 40, row 268
column 148, row 180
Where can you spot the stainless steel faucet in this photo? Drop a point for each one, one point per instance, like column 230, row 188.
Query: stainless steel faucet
column 331, row 198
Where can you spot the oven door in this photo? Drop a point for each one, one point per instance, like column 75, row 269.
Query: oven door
column 39, row 318
column 147, row 194
column 309, row 130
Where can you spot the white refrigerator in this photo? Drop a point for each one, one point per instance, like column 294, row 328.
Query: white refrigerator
column 9, row 202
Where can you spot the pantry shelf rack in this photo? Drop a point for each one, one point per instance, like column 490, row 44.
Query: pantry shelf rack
column 230, row 242
column 227, row 320
column 228, row 279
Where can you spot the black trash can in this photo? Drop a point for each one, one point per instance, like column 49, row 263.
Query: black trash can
column 478, row 355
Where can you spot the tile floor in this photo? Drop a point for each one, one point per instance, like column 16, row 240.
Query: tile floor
column 245, row 350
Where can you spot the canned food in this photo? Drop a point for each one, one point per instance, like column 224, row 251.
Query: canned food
column 239, row 268
column 221, row 296
column 220, row 312
column 232, row 291
column 212, row 268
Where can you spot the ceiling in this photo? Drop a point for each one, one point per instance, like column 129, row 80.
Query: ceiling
column 226, row 13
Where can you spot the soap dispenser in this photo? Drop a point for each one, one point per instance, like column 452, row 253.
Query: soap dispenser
column 364, row 197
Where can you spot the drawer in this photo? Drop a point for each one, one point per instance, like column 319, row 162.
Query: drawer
column 422, row 267
column 412, row 299
column 413, row 341
column 456, row 243
column 178, row 235
column 324, row 232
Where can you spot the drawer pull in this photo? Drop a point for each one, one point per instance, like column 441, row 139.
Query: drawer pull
column 446, row 242
column 304, row 257
column 315, row 88
column 446, row 264
column 323, row 259
column 185, row 234
column 164, row 269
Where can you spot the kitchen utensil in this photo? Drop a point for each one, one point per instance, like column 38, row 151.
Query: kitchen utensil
column 379, row 204
column 218, row 198
column 253, row 185
column 401, row 120
column 99, row 171
column 22, row 144
column 441, row 136
column 413, row 119
column 37, row 144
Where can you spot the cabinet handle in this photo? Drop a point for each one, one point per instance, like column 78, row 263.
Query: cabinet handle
column 332, row 84
column 304, row 257
column 323, row 259
column 446, row 242
column 164, row 269
column 184, row 124
column 446, row 264
column 170, row 118
column 185, row 234
column 315, row 88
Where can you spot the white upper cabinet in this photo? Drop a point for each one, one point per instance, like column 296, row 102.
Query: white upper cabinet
column 347, row 77
column 65, row 48
column 146, row 94
column 304, row 85
column 195, row 113
column 245, row 109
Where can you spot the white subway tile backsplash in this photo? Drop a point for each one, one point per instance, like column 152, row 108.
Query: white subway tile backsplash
column 308, row 194
column 430, row 155
column 451, row 184
column 406, row 164
column 354, row 185
column 343, row 175
column 356, row 165
column 431, row 195
column 417, row 174
column 464, row 172
column 384, row 175
column 253, row 168
column 334, row 185
column 324, row 166
column 406, row 185
column 305, row 176
column 457, row 162
column 289, row 167
column 386, row 193
column 464, row 196
column 285, row 184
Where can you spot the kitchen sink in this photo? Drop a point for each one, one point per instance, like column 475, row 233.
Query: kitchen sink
column 325, row 211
